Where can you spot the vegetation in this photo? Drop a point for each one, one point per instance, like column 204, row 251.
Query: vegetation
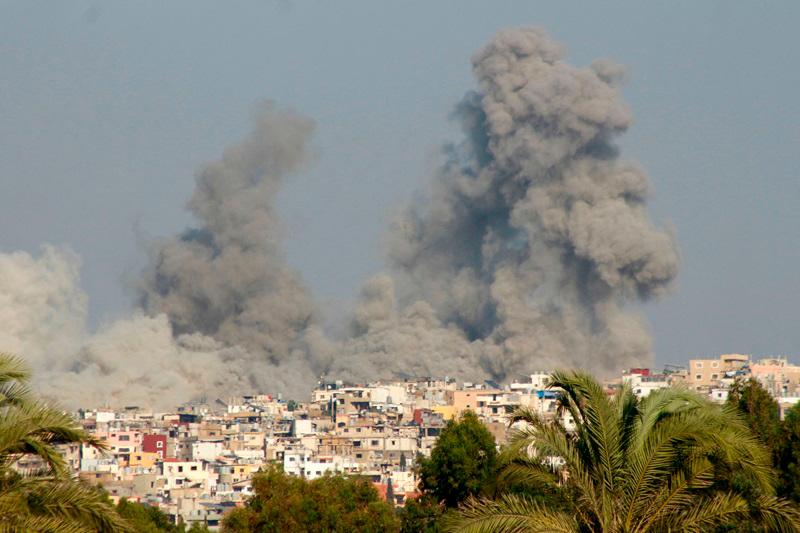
column 761, row 412
column 421, row 515
column 148, row 519
column 462, row 462
column 330, row 503
column 670, row 462
column 758, row 408
column 46, row 498
column 787, row 455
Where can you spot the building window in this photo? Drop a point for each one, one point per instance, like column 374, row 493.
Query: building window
column 124, row 437
column 699, row 377
column 374, row 443
column 714, row 376
column 194, row 468
column 180, row 469
column 159, row 444
column 698, row 364
column 715, row 364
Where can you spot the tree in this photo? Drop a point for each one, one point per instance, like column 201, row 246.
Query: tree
column 659, row 464
column 390, row 492
column 146, row 518
column 462, row 463
column 421, row 515
column 46, row 499
column 330, row 503
column 758, row 407
column 787, row 455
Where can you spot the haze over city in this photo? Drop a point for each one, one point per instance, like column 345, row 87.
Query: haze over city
column 317, row 147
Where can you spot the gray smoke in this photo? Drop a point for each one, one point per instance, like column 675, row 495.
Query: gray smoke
column 527, row 252
column 534, row 235
column 228, row 278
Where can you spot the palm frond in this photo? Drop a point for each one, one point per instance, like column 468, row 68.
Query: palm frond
column 509, row 514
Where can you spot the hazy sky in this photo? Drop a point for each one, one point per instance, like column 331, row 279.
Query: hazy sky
column 107, row 108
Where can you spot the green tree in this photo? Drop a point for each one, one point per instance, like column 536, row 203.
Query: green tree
column 787, row 455
column 330, row 504
column 46, row 499
column 632, row 466
column 421, row 515
column 146, row 518
column 462, row 462
column 758, row 408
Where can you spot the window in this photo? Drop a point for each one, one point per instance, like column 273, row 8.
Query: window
column 359, row 456
column 159, row 444
column 357, row 444
column 194, row 468
column 374, row 443
column 698, row 364
column 180, row 469
column 125, row 437
column 714, row 376
column 715, row 364
column 698, row 377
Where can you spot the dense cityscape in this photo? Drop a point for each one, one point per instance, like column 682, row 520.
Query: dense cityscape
column 196, row 463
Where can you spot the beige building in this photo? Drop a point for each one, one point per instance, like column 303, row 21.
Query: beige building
column 779, row 377
column 703, row 374
column 471, row 399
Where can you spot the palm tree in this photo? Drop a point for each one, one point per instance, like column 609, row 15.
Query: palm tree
column 672, row 461
column 45, row 498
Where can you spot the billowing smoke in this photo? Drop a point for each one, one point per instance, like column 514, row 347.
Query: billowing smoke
column 534, row 234
column 221, row 312
column 526, row 252
column 228, row 278
column 42, row 309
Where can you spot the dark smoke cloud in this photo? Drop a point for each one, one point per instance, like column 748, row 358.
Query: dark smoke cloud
column 534, row 235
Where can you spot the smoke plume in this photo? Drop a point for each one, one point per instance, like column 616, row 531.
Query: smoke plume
column 534, row 235
column 527, row 251
column 228, row 277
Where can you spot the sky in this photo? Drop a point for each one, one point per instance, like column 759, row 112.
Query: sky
column 108, row 108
